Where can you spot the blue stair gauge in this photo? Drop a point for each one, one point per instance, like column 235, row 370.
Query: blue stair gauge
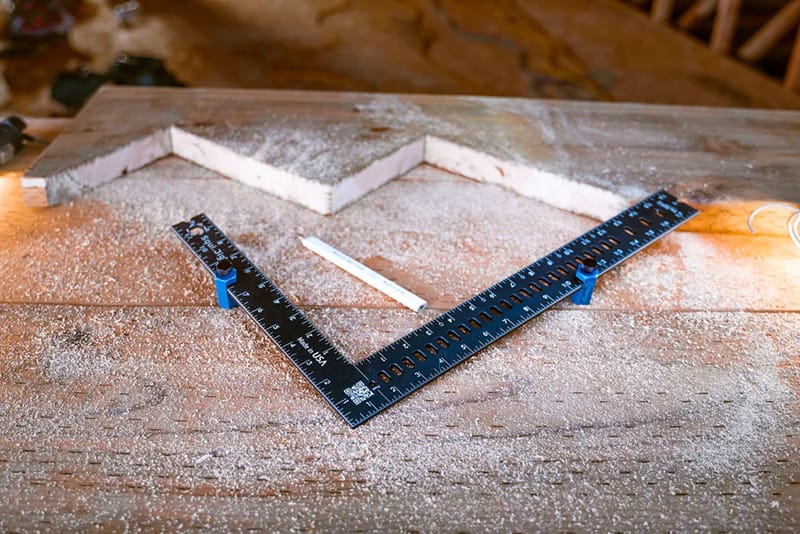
column 587, row 275
column 224, row 277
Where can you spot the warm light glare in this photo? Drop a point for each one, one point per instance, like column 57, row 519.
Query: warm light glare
column 7, row 194
column 792, row 222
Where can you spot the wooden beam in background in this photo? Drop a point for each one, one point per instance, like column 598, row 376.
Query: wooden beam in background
column 792, row 80
column 662, row 10
column 697, row 12
column 764, row 39
column 724, row 28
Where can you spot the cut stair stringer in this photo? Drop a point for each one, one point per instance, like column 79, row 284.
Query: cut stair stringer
column 547, row 187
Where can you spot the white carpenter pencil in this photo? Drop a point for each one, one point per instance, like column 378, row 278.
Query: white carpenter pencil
column 364, row 273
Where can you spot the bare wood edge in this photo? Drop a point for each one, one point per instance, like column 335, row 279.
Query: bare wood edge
column 377, row 174
column 550, row 188
column 249, row 171
column 39, row 191
column 547, row 187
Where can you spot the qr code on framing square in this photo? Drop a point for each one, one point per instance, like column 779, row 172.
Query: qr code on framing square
column 358, row 392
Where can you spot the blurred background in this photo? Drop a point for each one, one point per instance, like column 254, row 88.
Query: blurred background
column 743, row 53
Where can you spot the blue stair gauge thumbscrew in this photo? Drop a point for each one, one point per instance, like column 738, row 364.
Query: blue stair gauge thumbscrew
column 224, row 277
column 587, row 274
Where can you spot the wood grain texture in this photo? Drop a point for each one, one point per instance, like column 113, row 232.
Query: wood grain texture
column 412, row 210
column 117, row 415
column 326, row 150
column 130, row 401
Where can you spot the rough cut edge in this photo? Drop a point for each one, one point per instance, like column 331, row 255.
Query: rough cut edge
column 251, row 172
column 547, row 187
column 73, row 182
column 377, row 173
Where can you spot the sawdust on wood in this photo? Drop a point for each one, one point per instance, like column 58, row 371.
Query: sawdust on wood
column 453, row 235
column 663, row 405
column 170, row 406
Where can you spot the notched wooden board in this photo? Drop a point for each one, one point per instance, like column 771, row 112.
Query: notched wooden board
column 325, row 150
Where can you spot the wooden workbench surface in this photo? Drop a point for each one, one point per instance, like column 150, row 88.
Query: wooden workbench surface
column 129, row 400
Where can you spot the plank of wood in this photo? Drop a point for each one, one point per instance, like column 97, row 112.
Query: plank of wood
column 764, row 39
column 130, row 401
column 326, row 151
column 725, row 24
column 104, row 402
column 426, row 219
column 16, row 218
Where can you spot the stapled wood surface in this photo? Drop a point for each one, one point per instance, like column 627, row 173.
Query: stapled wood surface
column 129, row 400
